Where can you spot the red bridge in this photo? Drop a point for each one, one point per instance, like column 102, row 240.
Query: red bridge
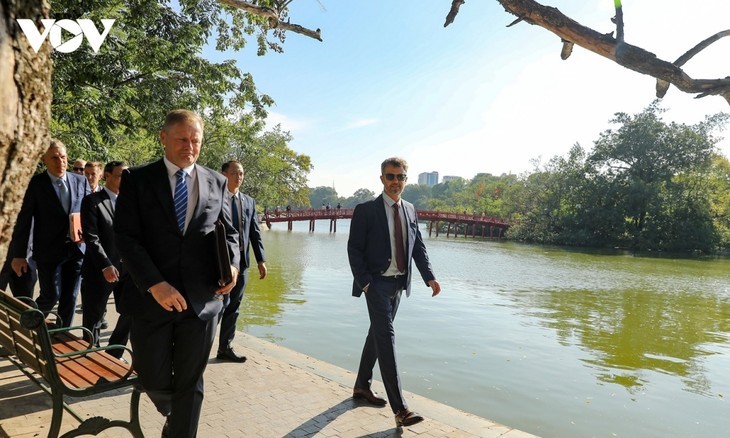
column 488, row 226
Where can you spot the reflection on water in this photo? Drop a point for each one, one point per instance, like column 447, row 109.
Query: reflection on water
column 558, row 343
column 630, row 331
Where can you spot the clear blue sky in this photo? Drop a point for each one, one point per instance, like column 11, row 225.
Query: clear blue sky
column 474, row 97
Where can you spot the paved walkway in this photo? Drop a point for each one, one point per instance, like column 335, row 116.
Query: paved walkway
column 276, row 393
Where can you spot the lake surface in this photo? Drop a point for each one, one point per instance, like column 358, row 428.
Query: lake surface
column 554, row 342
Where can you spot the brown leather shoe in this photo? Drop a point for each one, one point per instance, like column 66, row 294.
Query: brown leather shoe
column 407, row 418
column 368, row 395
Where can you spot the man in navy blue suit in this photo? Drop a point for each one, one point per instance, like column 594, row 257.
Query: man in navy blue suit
column 243, row 214
column 49, row 199
column 383, row 244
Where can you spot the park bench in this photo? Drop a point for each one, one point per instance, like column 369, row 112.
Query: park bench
column 63, row 364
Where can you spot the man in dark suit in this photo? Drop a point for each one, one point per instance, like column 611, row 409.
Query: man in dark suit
column 101, row 266
column 243, row 213
column 164, row 228
column 384, row 241
column 49, row 199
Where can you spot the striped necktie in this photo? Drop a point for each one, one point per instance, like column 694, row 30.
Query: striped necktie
column 181, row 199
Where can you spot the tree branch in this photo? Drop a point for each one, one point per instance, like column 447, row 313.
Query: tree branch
column 455, row 5
column 662, row 86
column 273, row 17
column 629, row 56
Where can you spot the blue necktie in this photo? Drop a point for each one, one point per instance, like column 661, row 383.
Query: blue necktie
column 64, row 195
column 181, row 199
column 234, row 213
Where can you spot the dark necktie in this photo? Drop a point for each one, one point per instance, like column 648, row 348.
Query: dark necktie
column 65, row 196
column 181, row 199
column 400, row 253
column 234, row 213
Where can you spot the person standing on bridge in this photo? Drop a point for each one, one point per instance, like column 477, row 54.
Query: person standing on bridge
column 243, row 212
column 384, row 240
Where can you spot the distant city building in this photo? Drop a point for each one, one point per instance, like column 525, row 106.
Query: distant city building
column 450, row 178
column 428, row 178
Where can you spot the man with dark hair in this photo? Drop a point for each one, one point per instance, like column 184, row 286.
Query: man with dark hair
column 243, row 213
column 102, row 263
column 384, row 240
column 164, row 225
column 49, row 199
column 93, row 173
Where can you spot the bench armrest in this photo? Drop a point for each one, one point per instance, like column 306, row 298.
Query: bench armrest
column 86, row 333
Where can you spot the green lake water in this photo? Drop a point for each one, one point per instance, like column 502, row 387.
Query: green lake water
column 555, row 342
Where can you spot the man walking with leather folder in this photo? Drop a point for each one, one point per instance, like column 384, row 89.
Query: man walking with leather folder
column 384, row 240
column 164, row 223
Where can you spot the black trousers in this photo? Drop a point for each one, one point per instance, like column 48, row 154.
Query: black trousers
column 383, row 297
column 95, row 291
column 120, row 335
column 171, row 352
column 231, row 310
column 59, row 283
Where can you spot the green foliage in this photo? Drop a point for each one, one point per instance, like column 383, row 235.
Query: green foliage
column 110, row 105
column 360, row 196
column 150, row 63
column 322, row 195
column 646, row 185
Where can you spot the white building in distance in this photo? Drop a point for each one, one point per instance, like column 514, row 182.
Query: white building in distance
column 428, row 178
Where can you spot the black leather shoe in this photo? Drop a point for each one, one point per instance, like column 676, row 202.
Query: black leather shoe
column 407, row 418
column 230, row 356
column 369, row 395
column 104, row 324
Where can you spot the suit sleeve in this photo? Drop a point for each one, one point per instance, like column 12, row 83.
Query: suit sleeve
column 90, row 229
column 254, row 235
column 420, row 256
column 357, row 246
column 128, row 234
column 21, row 232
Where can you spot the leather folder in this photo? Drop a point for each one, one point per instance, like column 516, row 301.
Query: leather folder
column 74, row 227
column 223, row 256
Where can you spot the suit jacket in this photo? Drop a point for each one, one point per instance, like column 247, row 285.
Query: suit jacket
column 154, row 250
column 249, row 232
column 42, row 207
column 368, row 247
column 97, row 224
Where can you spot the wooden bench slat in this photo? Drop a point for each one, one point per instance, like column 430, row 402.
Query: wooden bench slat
column 101, row 360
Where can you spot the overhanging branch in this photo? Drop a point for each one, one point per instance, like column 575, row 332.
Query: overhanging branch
column 273, row 17
column 629, row 56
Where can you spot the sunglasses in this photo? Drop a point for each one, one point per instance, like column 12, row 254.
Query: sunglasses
column 392, row 176
column 78, row 169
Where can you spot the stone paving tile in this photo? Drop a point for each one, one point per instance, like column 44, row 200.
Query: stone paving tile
column 276, row 393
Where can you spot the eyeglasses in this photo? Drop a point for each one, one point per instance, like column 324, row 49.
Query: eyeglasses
column 392, row 176
column 78, row 169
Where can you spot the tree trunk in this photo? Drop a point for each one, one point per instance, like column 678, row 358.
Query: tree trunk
column 25, row 108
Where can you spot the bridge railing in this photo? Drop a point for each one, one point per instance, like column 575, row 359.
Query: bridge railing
column 307, row 214
column 432, row 215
